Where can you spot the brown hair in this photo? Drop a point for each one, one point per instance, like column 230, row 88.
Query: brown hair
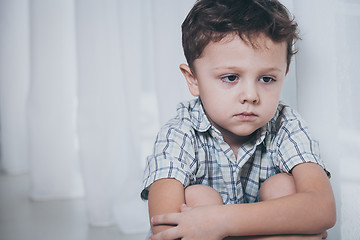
column 212, row 20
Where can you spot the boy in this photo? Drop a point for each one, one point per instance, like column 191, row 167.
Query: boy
column 235, row 161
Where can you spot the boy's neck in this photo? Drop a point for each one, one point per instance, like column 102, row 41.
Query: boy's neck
column 234, row 141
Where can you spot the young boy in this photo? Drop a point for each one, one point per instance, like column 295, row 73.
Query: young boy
column 235, row 161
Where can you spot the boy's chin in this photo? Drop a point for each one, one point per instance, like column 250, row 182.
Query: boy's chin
column 244, row 134
column 248, row 132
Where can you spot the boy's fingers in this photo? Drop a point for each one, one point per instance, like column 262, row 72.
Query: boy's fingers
column 169, row 234
column 166, row 219
column 184, row 208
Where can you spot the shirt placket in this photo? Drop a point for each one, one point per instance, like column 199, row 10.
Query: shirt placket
column 229, row 168
column 245, row 154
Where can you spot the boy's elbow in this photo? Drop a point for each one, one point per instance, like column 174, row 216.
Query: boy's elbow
column 329, row 222
column 332, row 218
column 328, row 218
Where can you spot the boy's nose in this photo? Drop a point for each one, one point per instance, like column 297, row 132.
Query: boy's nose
column 249, row 93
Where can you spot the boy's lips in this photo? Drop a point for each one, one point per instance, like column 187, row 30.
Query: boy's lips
column 246, row 116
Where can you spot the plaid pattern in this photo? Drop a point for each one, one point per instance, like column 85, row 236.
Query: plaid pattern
column 189, row 149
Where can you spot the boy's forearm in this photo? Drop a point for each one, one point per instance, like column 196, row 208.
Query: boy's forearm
column 310, row 211
column 165, row 196
column 278, row 237
column 263, row 218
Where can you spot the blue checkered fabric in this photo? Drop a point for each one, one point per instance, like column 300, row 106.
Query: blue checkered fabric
column 188, row 148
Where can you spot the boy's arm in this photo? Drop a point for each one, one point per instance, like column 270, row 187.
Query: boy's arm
column 310, row 211
column 165, row 196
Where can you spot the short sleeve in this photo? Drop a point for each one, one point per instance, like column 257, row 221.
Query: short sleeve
column 296, row 146
column 172, row 157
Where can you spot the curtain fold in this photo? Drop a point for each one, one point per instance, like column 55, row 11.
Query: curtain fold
column 170, row 85
column 348, row 50
column 101, row 99
column 289, row 91
column 317, row 83
column 14, row 82
column 109, row 52
column 51, row 107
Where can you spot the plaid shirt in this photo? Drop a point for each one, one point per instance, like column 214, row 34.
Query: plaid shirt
column 189, row 149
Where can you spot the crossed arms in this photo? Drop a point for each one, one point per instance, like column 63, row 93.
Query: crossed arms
column 311, row 210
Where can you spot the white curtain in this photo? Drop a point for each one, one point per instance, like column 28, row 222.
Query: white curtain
column 327, row 86
column 317, row 78
column 84, row 85
column 51, row 105
column 14, row 83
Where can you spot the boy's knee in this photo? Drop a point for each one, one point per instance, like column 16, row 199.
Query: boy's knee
column 201, row 195
column 277, row 186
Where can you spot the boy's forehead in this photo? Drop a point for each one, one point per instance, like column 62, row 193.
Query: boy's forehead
column 226, row 47
column 259, row 42
column 255, row 40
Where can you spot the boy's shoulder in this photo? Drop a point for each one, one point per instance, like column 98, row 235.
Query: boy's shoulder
column 285, row 113
column 285, row 122
column 190, row 117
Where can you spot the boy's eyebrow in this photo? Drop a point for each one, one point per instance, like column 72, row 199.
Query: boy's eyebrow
column 265, row 69
column 272, row 69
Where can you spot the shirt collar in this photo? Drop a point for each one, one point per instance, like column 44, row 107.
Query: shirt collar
column 198, row 117
column 268, row 130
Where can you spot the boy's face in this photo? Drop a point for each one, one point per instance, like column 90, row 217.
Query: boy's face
column 239, row 84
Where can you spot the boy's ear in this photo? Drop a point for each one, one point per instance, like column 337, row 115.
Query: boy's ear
column 190, row 80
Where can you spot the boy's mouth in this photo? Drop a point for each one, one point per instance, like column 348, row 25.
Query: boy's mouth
column 246, row 116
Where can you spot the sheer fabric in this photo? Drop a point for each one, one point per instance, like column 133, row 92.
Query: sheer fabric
column 84, row 86
column 14, row 83
column 317, row 78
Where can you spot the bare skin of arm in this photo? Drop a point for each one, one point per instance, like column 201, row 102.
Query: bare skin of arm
column 311, row 210
column 165, row 196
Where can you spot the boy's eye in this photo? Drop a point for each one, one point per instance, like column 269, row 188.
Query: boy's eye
column 229, row 78
column 267, row 79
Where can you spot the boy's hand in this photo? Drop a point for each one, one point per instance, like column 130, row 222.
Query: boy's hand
column 192, row 223
column 203, row 226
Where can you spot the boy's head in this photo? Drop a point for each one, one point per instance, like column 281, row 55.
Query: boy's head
column 213, row 20
column 238, row 53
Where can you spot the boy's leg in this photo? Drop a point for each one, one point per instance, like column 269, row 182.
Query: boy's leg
column 277, row 186
column 201, row 195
